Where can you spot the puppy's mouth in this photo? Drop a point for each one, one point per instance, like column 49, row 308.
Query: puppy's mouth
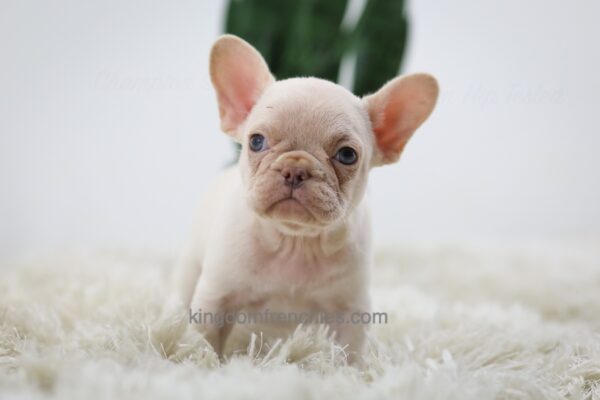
column 290, row 208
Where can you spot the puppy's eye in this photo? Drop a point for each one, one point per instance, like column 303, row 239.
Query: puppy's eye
column 257, row 142
column 346, row 155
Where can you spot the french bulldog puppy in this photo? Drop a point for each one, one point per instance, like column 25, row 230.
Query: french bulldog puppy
column 287, row 228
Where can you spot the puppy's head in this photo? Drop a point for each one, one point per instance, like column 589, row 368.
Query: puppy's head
column 308, row 144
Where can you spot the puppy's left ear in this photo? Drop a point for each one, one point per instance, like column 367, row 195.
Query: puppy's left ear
column 239, row 75
column 397, row 110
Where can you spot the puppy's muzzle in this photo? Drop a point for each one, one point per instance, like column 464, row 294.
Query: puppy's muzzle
column 296, row 167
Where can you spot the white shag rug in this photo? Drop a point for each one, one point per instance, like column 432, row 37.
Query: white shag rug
column 464, row 323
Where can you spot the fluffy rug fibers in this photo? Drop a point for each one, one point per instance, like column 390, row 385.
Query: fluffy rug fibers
column 463, row 323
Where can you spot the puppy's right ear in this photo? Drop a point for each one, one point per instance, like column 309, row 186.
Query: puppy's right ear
column 240, row 76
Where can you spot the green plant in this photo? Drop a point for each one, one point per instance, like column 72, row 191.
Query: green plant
column 306, row 38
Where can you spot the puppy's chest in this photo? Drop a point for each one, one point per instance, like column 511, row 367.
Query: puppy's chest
column 299, row 262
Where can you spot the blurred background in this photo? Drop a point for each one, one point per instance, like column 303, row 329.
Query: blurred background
column 109, row 130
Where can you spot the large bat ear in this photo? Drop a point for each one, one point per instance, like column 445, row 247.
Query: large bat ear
column 239, row 75
column 397, row 110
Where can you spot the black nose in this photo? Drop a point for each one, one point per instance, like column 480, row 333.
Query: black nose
column 294, row 176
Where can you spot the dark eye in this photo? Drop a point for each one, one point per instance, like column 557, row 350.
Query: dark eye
column 257, row 142
column 346, row 155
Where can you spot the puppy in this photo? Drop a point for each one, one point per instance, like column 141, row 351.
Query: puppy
column 287, row 228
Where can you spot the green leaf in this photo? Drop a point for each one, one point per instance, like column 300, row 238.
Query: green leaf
column 381, row 35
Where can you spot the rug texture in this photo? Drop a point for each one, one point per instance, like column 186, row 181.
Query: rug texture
column 463, row 323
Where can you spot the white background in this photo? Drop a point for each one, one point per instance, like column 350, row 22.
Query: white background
column 109, row 130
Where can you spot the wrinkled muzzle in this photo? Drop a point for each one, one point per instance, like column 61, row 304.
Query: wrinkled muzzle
column 296, row 189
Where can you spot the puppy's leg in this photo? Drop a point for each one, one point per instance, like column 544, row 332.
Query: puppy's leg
column 185, row 278
column 212, row 305
column 171, row 324
column 350, row 334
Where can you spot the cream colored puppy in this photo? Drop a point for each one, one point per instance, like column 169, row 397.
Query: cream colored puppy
column 287, row 228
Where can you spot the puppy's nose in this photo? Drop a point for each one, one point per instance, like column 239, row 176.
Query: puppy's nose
column 294, row 176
